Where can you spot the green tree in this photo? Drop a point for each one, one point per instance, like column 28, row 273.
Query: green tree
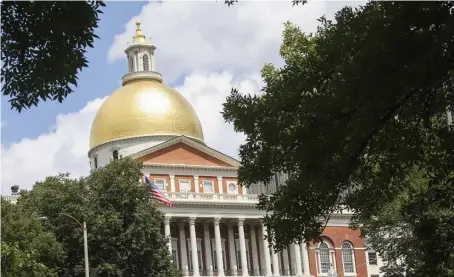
column 27, row 249
column 356, row 106
column 413, row 234
column 43, row 45
column 124, row 226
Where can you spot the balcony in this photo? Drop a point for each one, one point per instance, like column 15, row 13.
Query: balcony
column 212, row 198
column 11, row 198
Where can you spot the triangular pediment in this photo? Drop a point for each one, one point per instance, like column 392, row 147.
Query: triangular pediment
column 185, row 151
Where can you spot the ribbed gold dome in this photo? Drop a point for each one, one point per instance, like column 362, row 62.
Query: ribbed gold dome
column 143, row 108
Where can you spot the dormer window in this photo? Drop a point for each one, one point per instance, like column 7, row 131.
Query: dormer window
column 115, row 155
column 146, row 66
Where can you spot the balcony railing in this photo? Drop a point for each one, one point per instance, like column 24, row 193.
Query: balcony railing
column 11, row 198
column 212, row 197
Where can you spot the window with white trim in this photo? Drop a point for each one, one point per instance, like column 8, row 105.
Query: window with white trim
column 115, row 155
column 185, row 185
column 348, row 259
column 175, row 252
column 160, row 183
column 325, row 258
column 208, row 186
column 213, row 252
column 199, row 253
column 372, row 257
column 238, row 253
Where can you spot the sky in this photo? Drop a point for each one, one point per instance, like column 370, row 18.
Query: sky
column 204, row 48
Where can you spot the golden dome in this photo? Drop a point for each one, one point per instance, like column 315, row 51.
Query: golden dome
column 144, row 107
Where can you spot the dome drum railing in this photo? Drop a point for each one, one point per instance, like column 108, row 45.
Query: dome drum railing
column 131, row 76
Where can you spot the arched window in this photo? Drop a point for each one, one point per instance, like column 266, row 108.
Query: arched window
column 348, row 258
column 96, row 162
column 324, row 257
column 115, row 155
column 131, row 64
column 145, row 63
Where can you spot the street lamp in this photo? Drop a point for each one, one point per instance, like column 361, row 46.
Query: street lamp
column 84, row 227
column 332, row 272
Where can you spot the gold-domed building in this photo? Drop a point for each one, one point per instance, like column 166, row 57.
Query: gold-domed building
column 214, row 228
column 143, row 112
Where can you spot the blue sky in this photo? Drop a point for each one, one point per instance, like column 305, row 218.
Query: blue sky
column 98, row 80
column 204, row 48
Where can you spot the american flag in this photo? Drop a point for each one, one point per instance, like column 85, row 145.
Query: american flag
column 157, row 194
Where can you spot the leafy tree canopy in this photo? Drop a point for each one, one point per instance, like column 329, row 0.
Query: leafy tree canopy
column 414, row 233
column 43, row 45
column 356, row 106
column 124, row 225
column 27, row 249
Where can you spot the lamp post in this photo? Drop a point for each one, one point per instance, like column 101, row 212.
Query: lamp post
column 332, row 272
column 84, row 228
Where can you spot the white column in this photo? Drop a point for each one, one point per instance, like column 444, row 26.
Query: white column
column 232, row 254
column 172, row 183
column 305, row 259
column 261, row 253
column 195, row 260
column 153, row 67
column 285, row 267
column 220, row 185
column 242, row 241
column 217, row 237
column 196, row 184
column 255, row 258
column 183, row 251
column 275, row 258
column 167, row 233
column 266, row 252
column 297, row 264
column 207, row 243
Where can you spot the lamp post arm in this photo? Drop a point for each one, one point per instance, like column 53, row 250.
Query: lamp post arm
column 72, row 217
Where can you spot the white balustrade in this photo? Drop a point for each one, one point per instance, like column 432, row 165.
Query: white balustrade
column 211, row 197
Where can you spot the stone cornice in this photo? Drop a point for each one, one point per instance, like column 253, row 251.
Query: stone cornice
column 191, row 167
column 146, row 138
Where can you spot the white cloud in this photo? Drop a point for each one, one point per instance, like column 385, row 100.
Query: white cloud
column 206, row 93
column 212, row 37
column 62, row 149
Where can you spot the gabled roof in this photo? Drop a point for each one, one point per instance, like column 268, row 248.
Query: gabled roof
column 184, row 150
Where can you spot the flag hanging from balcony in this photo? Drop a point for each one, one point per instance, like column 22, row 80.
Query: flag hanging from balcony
column 157, row 194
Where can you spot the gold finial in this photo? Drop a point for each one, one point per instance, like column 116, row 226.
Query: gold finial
column 139, row 35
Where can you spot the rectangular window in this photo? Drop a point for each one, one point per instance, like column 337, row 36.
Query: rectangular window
column 185, row 186
column 372, row 258
column 175, row 253
column 238, row 253
column 199, row 254
column 215, row 259
column 375, row 275
column 160, row 183
column 208, row 187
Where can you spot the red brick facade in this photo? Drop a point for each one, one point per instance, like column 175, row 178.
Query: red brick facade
column 336, row 236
